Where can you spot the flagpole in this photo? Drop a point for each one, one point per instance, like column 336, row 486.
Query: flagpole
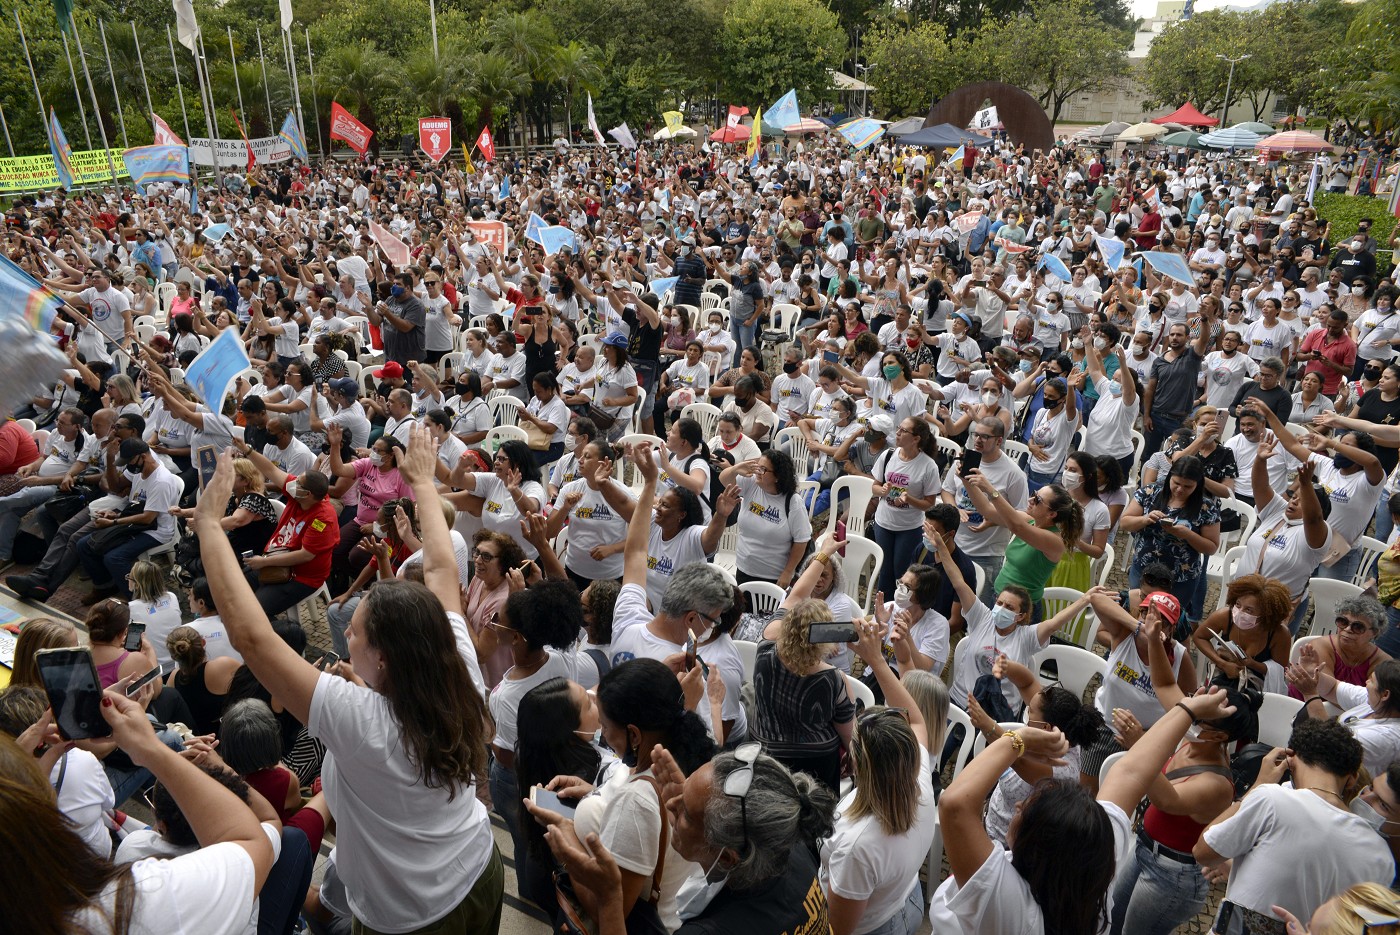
column 92, row 93
column 111, row 73
column 141, row 60
column 316, row 104
column 289, row 52
column 179, row 86
column 432, row 16
column 6, row 124
column 43, row 114
column 267, row 92
column 243, row 114
column 77, row 95
column 206, row 92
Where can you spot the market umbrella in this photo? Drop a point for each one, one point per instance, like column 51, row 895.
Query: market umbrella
column 1188, row 116
column 1188, row 138
column 1230, row 138
column 665, row 133
column 1255, row 126
column 1141, row 133
column 727, row 134
column 804, row 126
column 1294, row 141
column 1110, row 131
column 902, row 127
column 943, row 136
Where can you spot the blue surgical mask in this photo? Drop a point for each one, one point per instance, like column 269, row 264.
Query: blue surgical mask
column 1115, row 389
column 396, row 290
column 1026, row 366
column 1003, row 617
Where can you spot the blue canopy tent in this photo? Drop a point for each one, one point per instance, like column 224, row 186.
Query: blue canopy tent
column 943, row 136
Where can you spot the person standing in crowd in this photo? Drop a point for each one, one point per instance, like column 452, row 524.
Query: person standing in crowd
column 1171, row 384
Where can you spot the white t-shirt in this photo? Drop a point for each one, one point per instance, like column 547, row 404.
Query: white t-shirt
column 498, row 510
column 861, row 862
column 665, row 558
column 216, row 641
column 917, row 477
column 504, row 700
column 510, row 368
column 997, row 898
column 355, row 423
column 1261, row 340
column 1245, row 452
column 1264, row 836
column 1052, row 431
column 769, row 525
column 296, row 459
column 1110, row 430
column 975, row 660
column 791, row 396
column 882, row 399
column 159, row 492
column 388, row 819
column 1353, row 497
column 592, row 523
column 1380, row 737
column 160, row 616
column 1005, row 475
column 930, row 636
column 1286, row 553
column 1225, row 376
column 1011, row 790
column 555, row 412
column 1127, row 683
column 85, row 798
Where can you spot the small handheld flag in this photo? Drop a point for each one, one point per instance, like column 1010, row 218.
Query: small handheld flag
column 486, row 144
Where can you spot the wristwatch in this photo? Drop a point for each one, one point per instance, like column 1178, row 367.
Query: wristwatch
column 994, row 494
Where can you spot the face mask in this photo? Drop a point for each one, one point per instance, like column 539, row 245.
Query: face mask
column 989, row 398
column 697, row 891
column 789, row 367
column 1026, row 366
column 1371, row 374
column 292, row 490
column 379, row 530
column 1100, row 343
column 1341, row 462
column 396, row 291
column 1003, row 617
column 1367, row 813
column 902, row 598
column 714, row 329
column 874, row 438
column 891, row 371
column 1072, row 481
column 1077, row 344
column 133, row 469
column 593, row 737
column 376, row 458
column 570, row 442
column 1243, row 620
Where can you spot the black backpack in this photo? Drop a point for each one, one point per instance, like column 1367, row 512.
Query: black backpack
column 716, row 487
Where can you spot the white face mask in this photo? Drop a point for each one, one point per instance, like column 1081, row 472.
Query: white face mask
column 1100, row 343
column 570, row 442
column 989, row 398
column 902, row 598
column 292, row 490
column 1077, row 344
column 1003, row 617
column 379, row 530
column 1072, row 481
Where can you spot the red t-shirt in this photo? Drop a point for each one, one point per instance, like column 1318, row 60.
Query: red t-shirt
column 17, row 448
column 317, row 530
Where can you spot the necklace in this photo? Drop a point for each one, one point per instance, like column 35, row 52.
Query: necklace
column 1335, row 795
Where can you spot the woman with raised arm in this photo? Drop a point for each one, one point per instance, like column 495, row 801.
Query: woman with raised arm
column 405, row 740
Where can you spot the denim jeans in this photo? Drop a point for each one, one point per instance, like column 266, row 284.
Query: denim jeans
column 743, row 336
column 907, row 918
column 507, row 805
column 13, row 509
column 991, row 564
column 1036, row 480
column 109, row 569
column 1162, row 428
column 1389, row 640
column 1298, row 616
column 338, row 620
column 899, row 547
column 1384, row 524
column 1152, row 894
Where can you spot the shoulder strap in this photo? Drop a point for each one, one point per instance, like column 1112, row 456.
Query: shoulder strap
column 665, row 839
column 881, row 462
column 1184, row 771
column 600, row 659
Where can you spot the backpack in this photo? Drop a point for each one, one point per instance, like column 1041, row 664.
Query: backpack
column 715, row 490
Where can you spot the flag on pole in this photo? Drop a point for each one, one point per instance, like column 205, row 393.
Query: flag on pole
column 24, row 297
column 756, row 138
column 291, row 133
column 1055, row 265
column 1312, row 182
column 243, row 133
column 194, row 197
column 467, row 158
column 504, row 191
column 211, row 373
column 554, row 239
column 735, row 113
column 164, row 136
column 286, row 9
column 593, row 124
column 63, row 9
column 1112, row 251
column 533, row 226
column 861, row 132
column 186, row 27
column 675, row 120
column 486, row 144
column 345, row 127
column 1171, row 265
column 955, row 161
column 62, row 154
column 395, row 250
column 149, row 164
column 1152, row 198
column 1011, row 246
column 659, row 287
column 784, row 113
column 624, row 136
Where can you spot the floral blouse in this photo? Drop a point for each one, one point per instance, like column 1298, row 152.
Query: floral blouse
column 1155, row 544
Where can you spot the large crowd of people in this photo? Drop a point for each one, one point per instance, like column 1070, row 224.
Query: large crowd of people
column 736, row 559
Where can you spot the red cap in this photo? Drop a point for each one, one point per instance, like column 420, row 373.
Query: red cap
column 1166, row 604
column 392, row 370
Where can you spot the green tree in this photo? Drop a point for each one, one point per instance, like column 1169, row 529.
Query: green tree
column 769, row 46
column 362, row 79
column 494, row 82
column 913, row 68
column 1364, row 72
column 575, row 68
column 1061, row 48
column 1183, row 64
column 527, row 40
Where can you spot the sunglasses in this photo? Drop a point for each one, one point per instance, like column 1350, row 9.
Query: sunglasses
column 1354, row 626
column 740, row 780
column 1037, row 499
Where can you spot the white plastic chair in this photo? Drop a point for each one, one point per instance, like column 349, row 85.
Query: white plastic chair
column 860, row 693
column 1018, row 452
column 764, row 598
column 858, row 491
column 502, row 433
column 725, row 554
column 1326, row 595
column 706, row 415
column 27, row 424
column 1079, row 631
column 505, row 410
column 748, row 655
column 792, row 441
column 979, row 743
column 1295, row 654
column 1276, row 716
column 1227, row 571
column 858, row 554
column 949, row 447
column 1101, row 567
column 1138, row 443
column 1371, row 550
column 1228, row 540
column 1108, row 764
column 165, row 293
column 1075, row 667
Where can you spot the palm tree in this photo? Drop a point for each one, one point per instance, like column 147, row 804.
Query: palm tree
column 494, row 81
column 573, row 66
column 361, row 73
column 527, row 40
column 433, row 85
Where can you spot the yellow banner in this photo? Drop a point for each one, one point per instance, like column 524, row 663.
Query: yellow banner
column 36, row 173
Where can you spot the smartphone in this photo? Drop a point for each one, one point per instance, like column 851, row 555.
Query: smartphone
column 970, row 461
column 143, row 681
column 832, row 631
column 70, row 681
column 134, row 633
column 979, row 282
column 830, row 357
column 690, row 646
column 550, row 802
column 327, row 660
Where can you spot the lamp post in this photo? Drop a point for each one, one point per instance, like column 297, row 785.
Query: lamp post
column 1229, row 80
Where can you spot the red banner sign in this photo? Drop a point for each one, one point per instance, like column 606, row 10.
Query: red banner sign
column 347, row 128
column 486, row 144
column 435, row 137
column 491, row 232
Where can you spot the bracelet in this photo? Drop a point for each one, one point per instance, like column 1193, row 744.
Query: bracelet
column 1314, row 698
column 1016, row 742
column 1182, row 706
column 820, row 556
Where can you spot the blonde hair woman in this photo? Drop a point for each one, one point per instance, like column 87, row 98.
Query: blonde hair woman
column 39, row 633
column 1349, row 913
column 155, row 605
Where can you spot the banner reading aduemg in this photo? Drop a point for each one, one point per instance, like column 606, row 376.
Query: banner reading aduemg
column 37, row 173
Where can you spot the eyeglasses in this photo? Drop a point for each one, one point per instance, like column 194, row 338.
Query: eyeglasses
column 483, row 555
column 740, row 780
column 984, row 435
column 1355, row 626
column 1037, row 499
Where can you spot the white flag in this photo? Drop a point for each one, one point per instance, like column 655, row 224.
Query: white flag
column 593, row 124
column 624, row 136
column 186, row 29
column 286, row 6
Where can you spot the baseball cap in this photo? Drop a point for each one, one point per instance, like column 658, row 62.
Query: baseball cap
column 616, row 339
column 1166, row 604
column 346, row 387
column 881, row 423
column 391, row 371
column 131, row 448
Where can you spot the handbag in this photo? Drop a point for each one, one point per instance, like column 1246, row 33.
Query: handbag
column 601, row 417
column 275, row 574
column 644, row 919
column 535, row 437
column 110, row 537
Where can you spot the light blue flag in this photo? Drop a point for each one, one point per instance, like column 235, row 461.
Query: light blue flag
column 194, row 197
column 211, row 373
column 861, row 132
column 24, row 297
column 1171, row 265
column 149, row 164
column 784, row 113
column 555, row 238
column 1056, row 266
column 215, row 232
column 1111, row 250
column 292, row 134
column 659, row 287
column 61, row 151
column 504, row 193
column 533, row 227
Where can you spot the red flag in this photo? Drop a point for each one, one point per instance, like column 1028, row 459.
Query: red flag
column 164, row 136
column 435, row 137
column 486, row 144
column 395, row 249
column 347, row 128
column 735, row 112
column 241, row 132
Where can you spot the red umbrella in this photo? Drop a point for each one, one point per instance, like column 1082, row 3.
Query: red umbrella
column 1294, row 141
column 736, row 134
column 1188, row 116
